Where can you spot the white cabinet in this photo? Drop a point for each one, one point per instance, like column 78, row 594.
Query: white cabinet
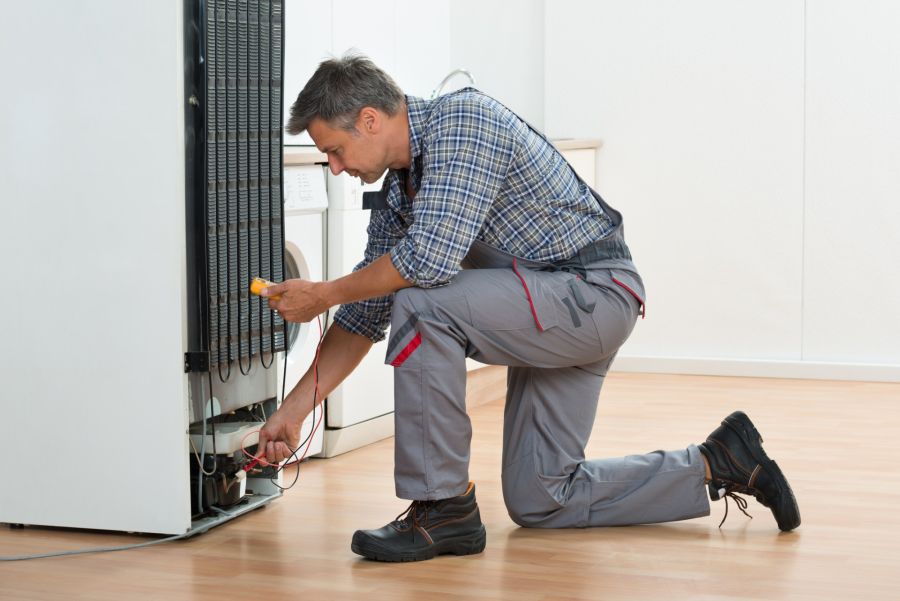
column 361, row 409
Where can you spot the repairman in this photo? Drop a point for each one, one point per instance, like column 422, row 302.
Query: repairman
column 484, row 243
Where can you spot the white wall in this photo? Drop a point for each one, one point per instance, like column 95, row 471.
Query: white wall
column 734, row 145
column 502, row 44
column 410, row 40
column 418, row 43
column 672, row 89
column 736, row 138
column 851, row 243
column 307, row 42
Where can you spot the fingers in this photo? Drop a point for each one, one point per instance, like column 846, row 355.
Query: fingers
column 275, row 290
column 283, row 451
column 261, row 445
column 297, row 301
column 276, row 452
column 272, row 451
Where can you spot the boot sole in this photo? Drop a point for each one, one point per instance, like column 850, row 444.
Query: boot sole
column 460, row 545
column 789, row 511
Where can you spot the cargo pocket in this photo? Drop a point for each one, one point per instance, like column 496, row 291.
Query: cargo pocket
column 578, row 297
column 531, row 304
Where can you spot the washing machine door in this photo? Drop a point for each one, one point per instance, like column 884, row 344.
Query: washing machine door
column 303, row 259
column 292, row 271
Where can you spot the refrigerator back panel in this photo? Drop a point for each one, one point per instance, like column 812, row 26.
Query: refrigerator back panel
column 235, row 206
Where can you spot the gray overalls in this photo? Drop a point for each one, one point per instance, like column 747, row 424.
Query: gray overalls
column 557, row 327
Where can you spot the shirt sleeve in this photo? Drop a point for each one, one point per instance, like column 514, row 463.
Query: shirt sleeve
column 371, row 317
column 467, row 151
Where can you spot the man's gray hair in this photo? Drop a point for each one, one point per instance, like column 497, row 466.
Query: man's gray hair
column 339, row 89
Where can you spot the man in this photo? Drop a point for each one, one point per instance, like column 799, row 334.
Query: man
column 486, row 244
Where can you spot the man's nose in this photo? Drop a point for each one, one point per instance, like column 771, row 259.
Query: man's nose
column 335, row 165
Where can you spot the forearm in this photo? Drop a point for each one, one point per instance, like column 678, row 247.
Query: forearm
column 379, row 278
column 339, row 355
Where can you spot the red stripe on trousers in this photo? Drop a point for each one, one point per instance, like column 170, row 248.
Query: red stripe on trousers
column 528, row 296
column 643, row 305
column 406, row 352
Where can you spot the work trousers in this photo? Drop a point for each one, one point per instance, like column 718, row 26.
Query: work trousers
column 558, row 335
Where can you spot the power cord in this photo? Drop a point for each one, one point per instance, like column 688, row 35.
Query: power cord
column 96, row 549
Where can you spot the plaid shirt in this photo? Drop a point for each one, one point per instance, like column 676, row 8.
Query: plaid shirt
column 479, row 172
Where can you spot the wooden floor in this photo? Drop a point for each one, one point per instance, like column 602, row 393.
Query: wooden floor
column 837, row 442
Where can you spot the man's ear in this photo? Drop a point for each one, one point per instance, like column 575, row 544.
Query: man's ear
column 369, row 121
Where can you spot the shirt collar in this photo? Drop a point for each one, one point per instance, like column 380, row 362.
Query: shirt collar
column 417, row 110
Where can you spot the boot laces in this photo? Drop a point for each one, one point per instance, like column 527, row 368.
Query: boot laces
column 418, row 512
column 741, row 502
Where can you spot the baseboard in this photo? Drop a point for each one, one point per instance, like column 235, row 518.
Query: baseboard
column 808, row 370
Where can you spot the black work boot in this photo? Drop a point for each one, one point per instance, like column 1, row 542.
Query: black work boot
column 427, row 528
column 739, row 464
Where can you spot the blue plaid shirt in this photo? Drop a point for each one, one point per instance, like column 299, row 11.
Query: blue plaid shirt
column 482, row 173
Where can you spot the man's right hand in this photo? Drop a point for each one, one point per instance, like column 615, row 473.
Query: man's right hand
column 341, row 351
column 280, row 436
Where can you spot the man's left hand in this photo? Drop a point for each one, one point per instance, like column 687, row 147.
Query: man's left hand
column 298, row 300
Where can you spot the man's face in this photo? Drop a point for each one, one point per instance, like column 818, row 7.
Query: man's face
column 356, row 152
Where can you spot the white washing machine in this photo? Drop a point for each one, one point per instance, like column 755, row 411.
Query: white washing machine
column 361, row 410
column 305, row 205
